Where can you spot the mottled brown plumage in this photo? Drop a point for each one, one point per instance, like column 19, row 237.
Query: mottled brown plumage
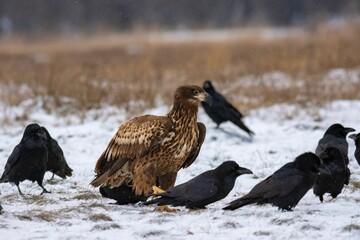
column 147, row 150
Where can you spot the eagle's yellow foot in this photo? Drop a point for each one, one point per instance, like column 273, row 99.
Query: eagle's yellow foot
column 157, row 190
column 165, row 209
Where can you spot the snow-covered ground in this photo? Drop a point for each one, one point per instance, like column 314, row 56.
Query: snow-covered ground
column 75, row 210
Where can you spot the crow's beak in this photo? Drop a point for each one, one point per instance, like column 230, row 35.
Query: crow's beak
column 348, row 130
column 42, row 135
column 324, row 170
column 242, row 170
column 353, row 136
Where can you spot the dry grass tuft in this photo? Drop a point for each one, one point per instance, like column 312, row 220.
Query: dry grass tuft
column 86, row 195
column 152, row 234
column 98, row 205
column 133, row 72
column 47, row 216
column 356, row 184
column 100, row 217
column 24, row 217
column 38, row 199
column 352, row 227
column 104, row 227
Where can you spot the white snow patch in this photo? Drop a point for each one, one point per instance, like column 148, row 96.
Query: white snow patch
column 74, row 210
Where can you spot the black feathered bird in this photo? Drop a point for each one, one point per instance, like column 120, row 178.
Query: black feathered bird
column 356, row 138
column 28, row 159
column 285, row 187
column 335, row 136
column 204, row 189
column 340, row 174
column 122, row 194
column 221, row 110
column 56, row 161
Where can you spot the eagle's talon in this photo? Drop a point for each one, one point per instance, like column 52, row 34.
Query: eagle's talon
column 157, row 190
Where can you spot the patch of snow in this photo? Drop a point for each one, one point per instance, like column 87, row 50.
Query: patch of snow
column 75, row 210
column 275, row 80
column 342, row 76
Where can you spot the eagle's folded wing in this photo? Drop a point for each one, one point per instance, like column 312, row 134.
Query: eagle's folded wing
column 193, row 155
column 133, row 139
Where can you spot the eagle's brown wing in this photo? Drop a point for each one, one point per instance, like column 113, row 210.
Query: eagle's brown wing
column 133, row 139
column 195, row 152
column 168, row 180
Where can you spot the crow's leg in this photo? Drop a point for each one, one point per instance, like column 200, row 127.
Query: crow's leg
column 44, row 189
column 18, row 187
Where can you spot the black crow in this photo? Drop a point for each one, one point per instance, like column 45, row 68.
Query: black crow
column 356, row 138
column 221, row 110
column 204, row 189
column 333, row 159
column 335, row 136
column 285, row 187
column 122, row 194
column 28, row 159
column 56, row 161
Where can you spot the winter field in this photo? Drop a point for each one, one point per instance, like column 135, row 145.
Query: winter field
column 75, row 210
column 291, row 85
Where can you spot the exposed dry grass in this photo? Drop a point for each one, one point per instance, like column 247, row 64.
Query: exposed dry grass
column 352, row 227
column 86, row 195
column 105, row 70
column 100, row 217
column 355, row 184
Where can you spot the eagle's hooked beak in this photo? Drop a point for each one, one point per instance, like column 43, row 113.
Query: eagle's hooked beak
column 205, row 97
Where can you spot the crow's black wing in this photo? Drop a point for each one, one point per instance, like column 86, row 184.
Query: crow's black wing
column 11, row 162
column 282, row 182
column 224, row 108
column 56, row 161
column 332, row 141
column 193, row 191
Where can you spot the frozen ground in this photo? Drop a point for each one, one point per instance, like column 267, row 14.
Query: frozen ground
column 74, row 210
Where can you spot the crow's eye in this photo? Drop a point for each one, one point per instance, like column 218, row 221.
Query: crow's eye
column 196, row 92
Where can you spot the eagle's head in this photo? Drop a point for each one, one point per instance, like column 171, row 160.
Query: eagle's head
column 192, row 95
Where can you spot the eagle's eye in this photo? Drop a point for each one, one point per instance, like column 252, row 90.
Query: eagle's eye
column 196, row 92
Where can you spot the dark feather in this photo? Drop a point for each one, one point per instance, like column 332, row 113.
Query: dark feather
column 221, row 110
column 285, row 187
column 204, row 189
column 356, row 138
column 340, row 174
column 28, row 159
column 56, row 161
column 335, row 136
column 122, row 195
